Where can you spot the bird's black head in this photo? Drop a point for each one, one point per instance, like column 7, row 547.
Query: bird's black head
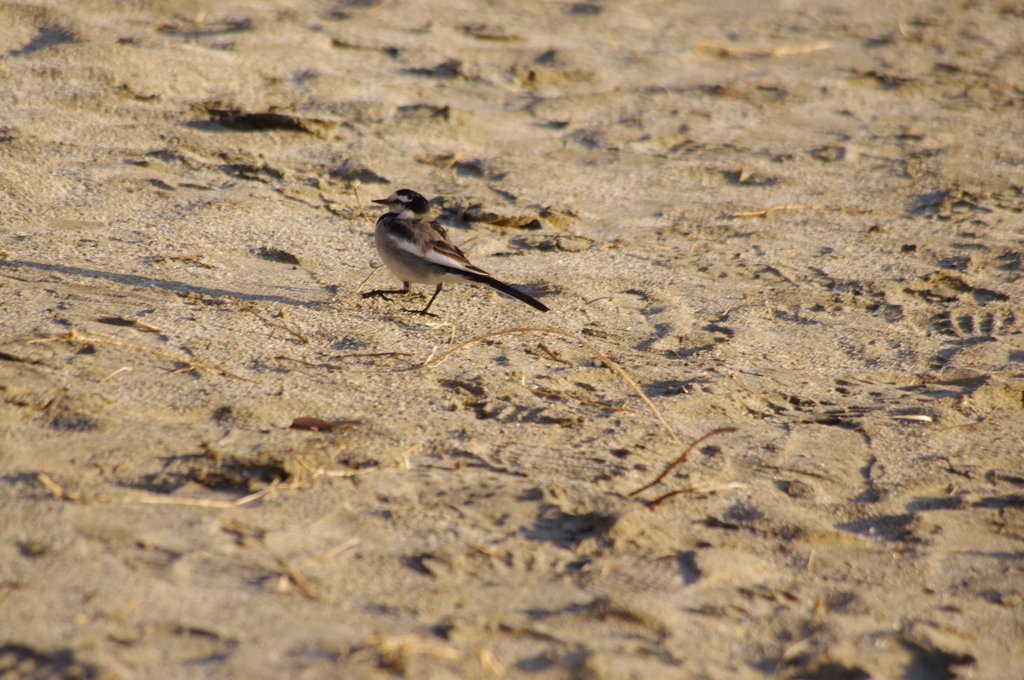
column 405, row 199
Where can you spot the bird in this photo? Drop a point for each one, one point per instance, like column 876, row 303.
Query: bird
column 417, row 249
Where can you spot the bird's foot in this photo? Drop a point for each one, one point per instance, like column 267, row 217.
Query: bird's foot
column 384, row 293
column 421, row 312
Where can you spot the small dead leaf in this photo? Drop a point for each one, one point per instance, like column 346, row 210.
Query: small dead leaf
column 277, row 255
column 308, row 423
column 132, row 323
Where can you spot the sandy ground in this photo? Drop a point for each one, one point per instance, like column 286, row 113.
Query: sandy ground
column 799, row 222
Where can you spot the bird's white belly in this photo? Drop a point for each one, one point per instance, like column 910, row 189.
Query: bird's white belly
column 408, row 267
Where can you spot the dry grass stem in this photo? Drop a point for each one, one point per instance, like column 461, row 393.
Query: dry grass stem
column 404, row 455
column 490, row 663
column 608, row 362
column 349, row 473
column 449, row 164
column 976, row 422
column 120, row 370
column 146, row 327
column 359, row 202
column 914, row 418
column 340, row 548
column 256, row 495
column 680, row 459
column 267, row 321
column 380, row 5
column 393, row 650
column 784, row 51
column 363, row 283
column 124, row 610
column 696, row 489
column 50, row 485
column 333, row 367
column 6, row 589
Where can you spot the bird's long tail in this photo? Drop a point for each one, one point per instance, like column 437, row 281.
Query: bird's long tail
column 501, row 288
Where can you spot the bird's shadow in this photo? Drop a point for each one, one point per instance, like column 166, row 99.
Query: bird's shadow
column 148, row 282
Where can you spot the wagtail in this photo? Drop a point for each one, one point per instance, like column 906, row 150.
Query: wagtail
column 417, row 250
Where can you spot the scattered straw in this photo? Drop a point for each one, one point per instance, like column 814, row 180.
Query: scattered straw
column 321, row 472
column 680, row 459
column 104, row 339
column 849, row 211
column 608, row 362
column 146, row 499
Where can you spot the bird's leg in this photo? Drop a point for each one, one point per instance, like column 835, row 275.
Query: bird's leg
column 384, row 293
column 424, row 311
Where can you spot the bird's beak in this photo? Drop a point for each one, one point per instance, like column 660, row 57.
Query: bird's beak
column 382, row 201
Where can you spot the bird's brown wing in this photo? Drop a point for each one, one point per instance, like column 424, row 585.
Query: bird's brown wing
column 446, row 249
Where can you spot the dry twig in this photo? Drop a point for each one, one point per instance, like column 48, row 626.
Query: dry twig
column 255, row 536
column 551, row 354
column 696, row 488
column 680, row 459
column 267, row 321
